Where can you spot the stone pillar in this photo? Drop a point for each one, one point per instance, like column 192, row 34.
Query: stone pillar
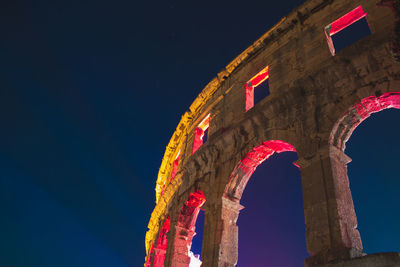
column 182, row 245
column 330, row 219
column 347, row 215
column 159, row 257
column 185, row 230
column 170, row 236
column 150, row 257
column 220, row 246
column 228, row 253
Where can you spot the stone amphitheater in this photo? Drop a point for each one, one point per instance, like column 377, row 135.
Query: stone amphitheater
column 294, row 89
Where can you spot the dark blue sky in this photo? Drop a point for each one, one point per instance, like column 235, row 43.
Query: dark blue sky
column 271, row 225
column 91, row 92
column 374, row 180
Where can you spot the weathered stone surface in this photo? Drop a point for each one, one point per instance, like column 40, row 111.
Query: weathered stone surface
column 316, row 101
column 373, row 260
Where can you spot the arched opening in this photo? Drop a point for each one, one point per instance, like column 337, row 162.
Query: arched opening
column 271, row 226
column 197, row 241
column 185, row 231
column 161, row 247
column 373, row 192
column 374, row 180
column 262, row 244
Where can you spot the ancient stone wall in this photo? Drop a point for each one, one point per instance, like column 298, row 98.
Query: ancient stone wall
column 316, row 100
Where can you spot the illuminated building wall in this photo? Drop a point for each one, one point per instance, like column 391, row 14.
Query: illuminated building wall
column 316, row 98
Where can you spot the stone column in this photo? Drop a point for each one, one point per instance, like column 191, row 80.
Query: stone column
column 182, row 245
column 228, row 253
column 347, row 215
column 150, row 257
column 331, row 232
column 220, row 246
column 171, row 237
column 159, row 257
column 185, row 230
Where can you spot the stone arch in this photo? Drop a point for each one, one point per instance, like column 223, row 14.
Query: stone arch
column 160, row 247
column 233, row 192
column 248, row 164
column 185, row 229
column 341, row 132
column 344, row 127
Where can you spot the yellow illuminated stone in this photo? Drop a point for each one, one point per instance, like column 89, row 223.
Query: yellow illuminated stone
column 177, row 140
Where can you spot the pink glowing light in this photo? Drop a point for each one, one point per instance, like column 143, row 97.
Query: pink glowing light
column 346, row 20
column 148, row 262
column 374, row 104
column 161, row 247
column 248, row 164
column 162, row 237
column 199, row 133
column 175, row 166
column 162, row 190
column 198, row 139
column 261, row 153
column 342, row 23
column 359, row 112
column 252, row 83
column 187, row 222
column 196, row 199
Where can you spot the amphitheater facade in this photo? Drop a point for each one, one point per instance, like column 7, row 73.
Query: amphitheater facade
column 316, row 97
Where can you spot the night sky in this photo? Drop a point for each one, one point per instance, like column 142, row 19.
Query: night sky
column 91, row 92
column 272, row 222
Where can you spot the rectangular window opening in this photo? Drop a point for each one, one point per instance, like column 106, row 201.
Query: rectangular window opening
column 175, row 166
column 261, row 91
column 201, row 133
column 347, row 30
column 257, row 88
column 205, row 135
